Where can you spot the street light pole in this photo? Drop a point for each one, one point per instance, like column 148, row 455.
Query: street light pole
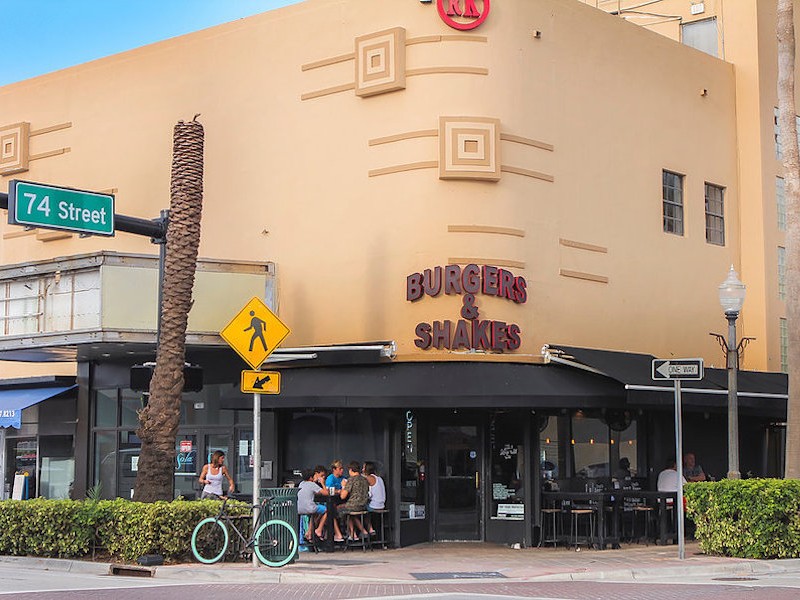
column 731, row 296
column 733, row 398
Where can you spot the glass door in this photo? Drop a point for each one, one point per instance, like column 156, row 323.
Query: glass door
column 460, row 464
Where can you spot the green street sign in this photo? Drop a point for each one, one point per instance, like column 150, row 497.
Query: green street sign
column 55, row 207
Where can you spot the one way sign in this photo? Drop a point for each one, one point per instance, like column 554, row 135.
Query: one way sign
column 677, row 368
column 261, row 382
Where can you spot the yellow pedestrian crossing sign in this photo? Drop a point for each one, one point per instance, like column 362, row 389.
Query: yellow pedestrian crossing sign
column 255, row 332
column 261, row 382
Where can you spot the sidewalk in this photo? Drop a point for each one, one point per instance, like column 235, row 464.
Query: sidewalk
column 454, row 562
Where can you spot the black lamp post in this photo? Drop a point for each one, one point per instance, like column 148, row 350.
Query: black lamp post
column 731, row 297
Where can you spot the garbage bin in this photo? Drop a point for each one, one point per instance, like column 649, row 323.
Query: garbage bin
column 284, row 507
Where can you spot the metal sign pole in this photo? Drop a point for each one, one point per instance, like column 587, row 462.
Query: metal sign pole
column 679, row 465
column 256, row 464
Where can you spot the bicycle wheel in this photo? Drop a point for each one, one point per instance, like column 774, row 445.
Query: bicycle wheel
column 275, row 543
column 209, row 540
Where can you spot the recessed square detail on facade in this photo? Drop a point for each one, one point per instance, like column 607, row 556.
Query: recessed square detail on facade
column 469, row 148
column 381, row 62
column 14, row 153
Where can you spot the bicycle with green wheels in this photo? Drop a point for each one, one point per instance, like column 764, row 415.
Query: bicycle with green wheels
column 274, row 540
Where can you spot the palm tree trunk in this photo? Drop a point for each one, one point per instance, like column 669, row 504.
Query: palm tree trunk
column 158, row 421
column 791, row 162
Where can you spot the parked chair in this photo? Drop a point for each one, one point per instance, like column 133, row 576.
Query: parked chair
column 360, row 541
column 550, row 519
column 585, row 514
column 379, row 518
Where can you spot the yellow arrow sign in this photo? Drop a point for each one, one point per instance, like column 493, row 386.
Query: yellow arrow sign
column 261, row 382
column 255, row 332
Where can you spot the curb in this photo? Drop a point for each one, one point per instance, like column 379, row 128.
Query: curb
column 61, row 565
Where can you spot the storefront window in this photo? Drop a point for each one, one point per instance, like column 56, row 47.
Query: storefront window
column 244, row 463
column 105, row 463
column 624, row 451
column 105, row 408
column 551, row 456
column 506, row 441
column 590, row 446
column 414, row 458
column 128, row 463
column 57, row 469
column 130, row 405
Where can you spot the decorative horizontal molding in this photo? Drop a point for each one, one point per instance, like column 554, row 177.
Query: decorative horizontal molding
column 18, row 233
column 500, row 262
column 430, row 164
column 429, row 39
column 448, row 70
column 526, row 141
column 328, row 61
column 50, row 129
column 347, row 87
column 582, row 246
column 485, row 229
column 404, row 136
column 584, row 276
column 49, row 154
column 50, row 235
column 527, row 173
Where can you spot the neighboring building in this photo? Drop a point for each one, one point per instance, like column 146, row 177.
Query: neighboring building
column 433, row 211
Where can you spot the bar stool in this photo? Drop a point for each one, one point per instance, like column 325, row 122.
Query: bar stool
column 382, row 539
column 549, row 518
column 360, row 541
column 646, row 512
column 576, row 514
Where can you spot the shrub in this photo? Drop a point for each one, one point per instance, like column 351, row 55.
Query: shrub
column 124, row 529
column 751, row 518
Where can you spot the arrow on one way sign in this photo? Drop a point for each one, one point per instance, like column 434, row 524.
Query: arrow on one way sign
column 678, row 368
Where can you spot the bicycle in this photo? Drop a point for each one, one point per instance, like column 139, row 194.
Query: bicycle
column 274, row 542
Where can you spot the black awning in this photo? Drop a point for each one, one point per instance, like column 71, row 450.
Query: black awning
column 760, row 393
column 442, row 385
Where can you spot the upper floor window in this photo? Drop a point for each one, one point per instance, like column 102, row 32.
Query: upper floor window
column 672, row 202
column 776, row 129
column 715, row 215
column 780, row 201
column 784, row 337
column 701, row 35
column 781, row 272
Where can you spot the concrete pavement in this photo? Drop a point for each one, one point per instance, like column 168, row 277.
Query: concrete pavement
column 457, row 562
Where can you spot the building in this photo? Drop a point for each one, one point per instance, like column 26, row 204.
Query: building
column 452, row 213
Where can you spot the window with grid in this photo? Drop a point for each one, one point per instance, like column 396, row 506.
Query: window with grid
column 781, row 272
column 780, row 201
column 776, row 129
column 672, row 202
column 715, row 215
column 784, row 346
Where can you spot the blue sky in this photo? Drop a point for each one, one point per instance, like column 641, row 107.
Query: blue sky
column 39, row 36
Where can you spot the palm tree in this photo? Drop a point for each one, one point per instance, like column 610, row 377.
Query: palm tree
column 158, row 421
column 791, row 162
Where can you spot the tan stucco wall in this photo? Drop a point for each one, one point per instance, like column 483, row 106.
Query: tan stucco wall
column 287, row 180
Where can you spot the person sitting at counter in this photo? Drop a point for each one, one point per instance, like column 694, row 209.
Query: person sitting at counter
column 336, row 477
column 306, row 505
column 691, row 470
column 356, row 496
column 668, row 478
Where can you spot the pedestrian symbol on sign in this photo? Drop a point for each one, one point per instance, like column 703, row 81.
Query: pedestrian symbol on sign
column 255, row 332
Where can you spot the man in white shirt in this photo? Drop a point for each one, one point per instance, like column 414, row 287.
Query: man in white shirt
column 668, row 478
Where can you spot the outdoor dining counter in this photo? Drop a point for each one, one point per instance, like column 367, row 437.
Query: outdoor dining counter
column 611, row 504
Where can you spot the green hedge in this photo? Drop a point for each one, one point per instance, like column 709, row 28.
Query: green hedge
column 749, row 518
column 124, row 530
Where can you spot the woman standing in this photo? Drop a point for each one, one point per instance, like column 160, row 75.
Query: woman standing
column 211, row 477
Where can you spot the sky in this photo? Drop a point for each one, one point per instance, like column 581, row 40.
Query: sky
column 40, row 36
